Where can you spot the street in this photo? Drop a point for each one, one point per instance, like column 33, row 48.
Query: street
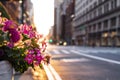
column 85, row 63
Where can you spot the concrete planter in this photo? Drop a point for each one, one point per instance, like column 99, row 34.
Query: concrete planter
column 6, row 71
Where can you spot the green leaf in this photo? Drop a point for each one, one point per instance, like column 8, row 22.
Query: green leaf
column 6, row 36
column 1, row 39
column 25, row 37
column 1, row 25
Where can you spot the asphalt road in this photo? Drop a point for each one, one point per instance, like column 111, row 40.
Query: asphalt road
column 85, row 63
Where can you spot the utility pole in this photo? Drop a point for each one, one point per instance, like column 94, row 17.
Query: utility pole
column 22, row 11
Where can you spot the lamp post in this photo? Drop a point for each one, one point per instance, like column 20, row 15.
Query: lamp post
column 73, row 36
column 22, row 11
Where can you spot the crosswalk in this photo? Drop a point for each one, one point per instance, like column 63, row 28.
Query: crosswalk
column 65, row 51
column 72, row 51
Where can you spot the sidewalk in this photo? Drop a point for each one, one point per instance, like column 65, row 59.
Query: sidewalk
column 30, row 74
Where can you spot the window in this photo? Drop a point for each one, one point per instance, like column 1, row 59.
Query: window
column 86, row 10
column 99, row 10
column 99, row 1
column 106, row 7
column 105, row 24
column 90, row 0
column 90, row 15
column 87, row 16
column 90, row 7
column 94, row 27
column 113, row 4
column 99, row 25
column 95, row 4
column 90, row 29
column 119, row 20
column 87, row 2
column 95, row 13
column 113, row 22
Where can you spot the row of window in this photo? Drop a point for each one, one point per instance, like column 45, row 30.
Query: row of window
column 106, row 23
column 98, row 11
column 83, row 4
column 80, row 5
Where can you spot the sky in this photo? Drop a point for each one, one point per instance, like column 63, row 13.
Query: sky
column 43, row 15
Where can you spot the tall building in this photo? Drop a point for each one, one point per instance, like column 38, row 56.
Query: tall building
column 97, row 22
column 63, row 21
column 69, row 12
column 57, row 22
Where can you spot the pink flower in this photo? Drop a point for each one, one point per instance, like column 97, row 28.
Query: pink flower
column 37, row 63
column 25, row 29
column 37, row 51
column 29, row 58
column 31, row 34
column 9, row 25
column 10, row 45
column 31, row 51
column 39, row 57
column 15, row 36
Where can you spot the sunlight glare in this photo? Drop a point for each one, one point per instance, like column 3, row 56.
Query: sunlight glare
column 43, row 15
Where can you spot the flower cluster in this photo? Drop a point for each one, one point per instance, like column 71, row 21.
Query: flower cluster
column 9, row 32
column 34, row 58
column 19, row 44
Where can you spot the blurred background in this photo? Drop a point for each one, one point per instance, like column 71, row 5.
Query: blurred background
column 70, row 22
column 87, row 22
column 84, row 34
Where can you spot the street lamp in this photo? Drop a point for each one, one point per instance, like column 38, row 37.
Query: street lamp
column 20, row 1
column 72, row 16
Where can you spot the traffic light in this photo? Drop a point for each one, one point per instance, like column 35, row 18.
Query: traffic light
column 50, row 40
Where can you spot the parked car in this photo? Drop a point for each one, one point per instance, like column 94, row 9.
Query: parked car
column 64, row 43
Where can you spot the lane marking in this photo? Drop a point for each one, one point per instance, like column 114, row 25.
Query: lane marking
column 64, row 51
column 76, row 60
column 95, row 57
column 46, row 51
column 57, row 77
column 56, row 51
column 85, row 51
column 48, row 73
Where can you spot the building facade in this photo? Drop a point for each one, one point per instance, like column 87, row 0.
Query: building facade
column 97, row 22
column 57, row 22
column 69, row 12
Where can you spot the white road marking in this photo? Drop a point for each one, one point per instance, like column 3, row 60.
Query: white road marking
column 65, row 51
column 48, row 73
column 47, row 51
column 95, row 57
column 84, row 51
column 57, row 77
column 51, row 73
column 75, row 60
column 56, row 51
